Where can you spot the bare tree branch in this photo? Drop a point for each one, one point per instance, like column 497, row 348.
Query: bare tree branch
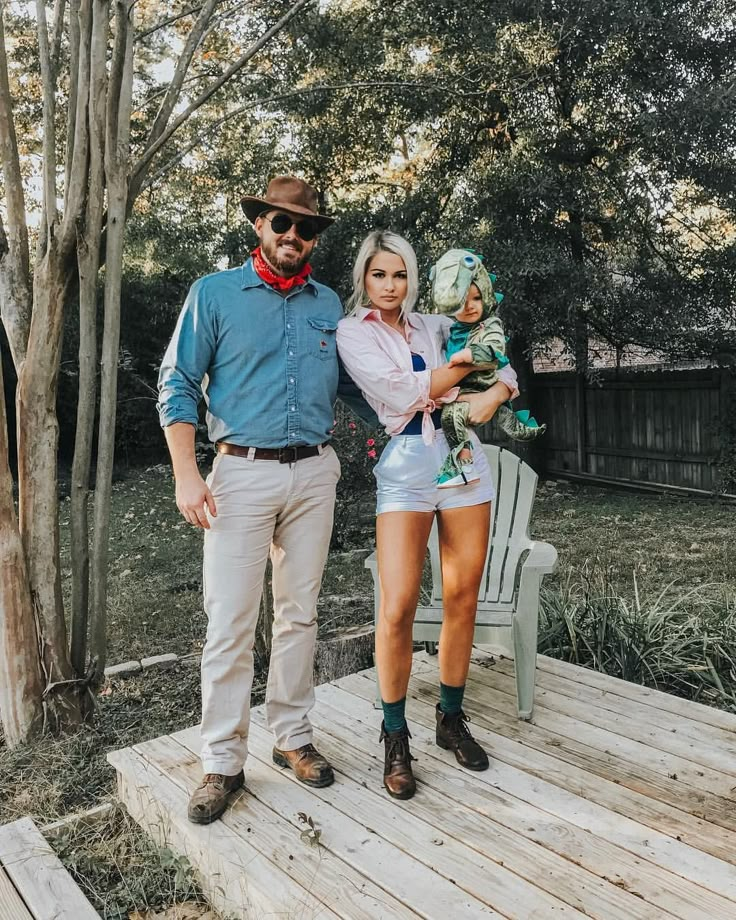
column 162, row 92
column 76, row 194
column 141, row 167
column 280, row 97
column 15, row 288
column 167, row 22
column 71, row 115
column 182, row 66
column 59, row 7
column 49, row 111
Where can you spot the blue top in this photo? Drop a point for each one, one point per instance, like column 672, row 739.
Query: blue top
column 415, row 425
column 266, row 364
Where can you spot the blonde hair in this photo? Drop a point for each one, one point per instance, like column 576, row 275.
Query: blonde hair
column 384, row 241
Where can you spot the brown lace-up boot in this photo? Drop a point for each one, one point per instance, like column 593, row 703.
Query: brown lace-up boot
column 397, row 774
column 453, row 735
column 309, row 766
column 209, row 799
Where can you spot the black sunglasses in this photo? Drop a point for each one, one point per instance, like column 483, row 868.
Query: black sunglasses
column 281, row 223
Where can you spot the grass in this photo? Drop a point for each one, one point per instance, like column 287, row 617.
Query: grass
column 645, row 590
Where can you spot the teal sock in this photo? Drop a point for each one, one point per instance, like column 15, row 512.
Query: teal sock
column 451, row 698
column 393, row 715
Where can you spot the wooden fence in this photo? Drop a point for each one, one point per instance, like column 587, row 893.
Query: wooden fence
column 635, row 426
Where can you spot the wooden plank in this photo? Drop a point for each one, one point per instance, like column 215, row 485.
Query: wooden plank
column 591, row 874
column 48, row 890
column 505, row 503
column 630, row 724
column 669, row 870
column 519, row 541
column 662, row 810
column 606, row 764
column 12, row 906
column 237, row 878
column 412, row 873
column 706, row 735
column 348, row 892
column 650, row 843
column 667, row 702
column 638, row 754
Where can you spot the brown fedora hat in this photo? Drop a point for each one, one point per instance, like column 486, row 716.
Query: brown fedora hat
column 287, row 193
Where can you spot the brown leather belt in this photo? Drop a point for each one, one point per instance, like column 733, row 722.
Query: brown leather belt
column 282, row 454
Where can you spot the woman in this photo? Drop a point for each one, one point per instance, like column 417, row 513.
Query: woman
column 396, row 358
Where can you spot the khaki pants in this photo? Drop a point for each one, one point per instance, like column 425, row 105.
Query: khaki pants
column 263, row 507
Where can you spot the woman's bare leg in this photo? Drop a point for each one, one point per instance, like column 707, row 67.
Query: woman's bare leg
column 401, row 539
column 401, row 544
column 463, row 545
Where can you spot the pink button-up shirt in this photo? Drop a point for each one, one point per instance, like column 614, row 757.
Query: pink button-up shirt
column 378, row 358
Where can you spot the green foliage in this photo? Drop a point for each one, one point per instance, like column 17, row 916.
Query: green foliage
column 674, row 639
column 358, row 449
column 120, row 869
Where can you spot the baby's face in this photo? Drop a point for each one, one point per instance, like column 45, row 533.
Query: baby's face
column 472, row 309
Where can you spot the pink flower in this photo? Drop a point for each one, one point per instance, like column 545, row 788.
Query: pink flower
column 352, row 425
column 372, row 454
column 370, row 442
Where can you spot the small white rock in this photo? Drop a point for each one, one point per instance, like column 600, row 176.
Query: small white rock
column 159, row 661
column 124, row 669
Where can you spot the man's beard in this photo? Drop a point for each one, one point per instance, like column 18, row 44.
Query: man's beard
column 287, row 262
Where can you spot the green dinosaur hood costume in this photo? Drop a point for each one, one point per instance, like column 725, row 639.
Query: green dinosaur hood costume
column 451, row 278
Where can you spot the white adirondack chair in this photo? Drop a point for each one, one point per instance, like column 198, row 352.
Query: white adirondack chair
column 515, row 566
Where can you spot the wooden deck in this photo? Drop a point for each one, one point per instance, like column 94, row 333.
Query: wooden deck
column 615, row 802
column 34, row 885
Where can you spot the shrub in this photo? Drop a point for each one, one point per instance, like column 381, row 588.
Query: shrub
column 681, row 640
column 358, row 449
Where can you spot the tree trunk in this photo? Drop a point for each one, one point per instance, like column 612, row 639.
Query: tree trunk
column 38, row 434
column 21, row 687
column 117, row 161
column 88, row 253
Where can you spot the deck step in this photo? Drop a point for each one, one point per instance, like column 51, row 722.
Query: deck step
column 34, row 885
column 613, row 803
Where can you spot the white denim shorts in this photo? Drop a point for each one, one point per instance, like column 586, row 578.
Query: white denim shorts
column 407, row 476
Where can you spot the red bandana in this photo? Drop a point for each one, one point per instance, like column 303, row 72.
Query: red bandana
column 267, row 274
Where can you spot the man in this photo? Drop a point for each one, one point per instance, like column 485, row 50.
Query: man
column 259, row 341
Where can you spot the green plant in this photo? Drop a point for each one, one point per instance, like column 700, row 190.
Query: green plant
column 677, row 639
column 310, row 833
column 358, row 448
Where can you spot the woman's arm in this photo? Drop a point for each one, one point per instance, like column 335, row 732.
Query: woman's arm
column 483, row 406
column 383, row 381
column 445, row 377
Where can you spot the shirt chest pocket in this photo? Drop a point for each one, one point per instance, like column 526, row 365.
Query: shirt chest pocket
column 321, row 337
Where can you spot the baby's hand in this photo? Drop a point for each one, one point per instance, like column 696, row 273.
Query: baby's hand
column 464, row 356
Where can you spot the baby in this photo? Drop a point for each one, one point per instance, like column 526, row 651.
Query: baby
column 462, row 288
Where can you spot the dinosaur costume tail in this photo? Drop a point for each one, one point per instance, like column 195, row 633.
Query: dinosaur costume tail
column 519, row 426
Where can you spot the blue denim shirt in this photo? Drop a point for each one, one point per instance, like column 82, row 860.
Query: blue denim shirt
column 266, row 364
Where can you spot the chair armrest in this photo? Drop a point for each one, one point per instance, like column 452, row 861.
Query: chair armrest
column 542, row 560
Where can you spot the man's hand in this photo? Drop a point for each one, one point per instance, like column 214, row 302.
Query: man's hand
column 192, row 496
column 464, row 356
column 483, row 406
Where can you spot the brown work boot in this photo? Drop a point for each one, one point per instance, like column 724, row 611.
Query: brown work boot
column 453, row 735
column 397, row 774
column 309, row 766
column 209, row 799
